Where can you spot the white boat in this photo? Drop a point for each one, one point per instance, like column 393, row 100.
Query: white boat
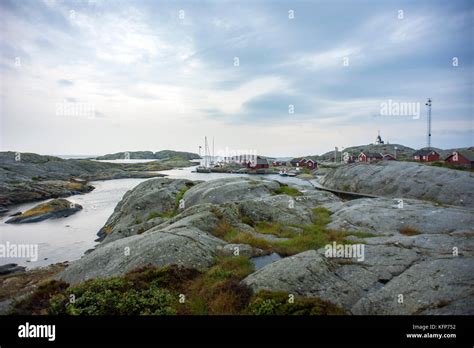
column 206, row 167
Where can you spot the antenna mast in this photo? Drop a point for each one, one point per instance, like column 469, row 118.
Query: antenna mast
column 428, row 103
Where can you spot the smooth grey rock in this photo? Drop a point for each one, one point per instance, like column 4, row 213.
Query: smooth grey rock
column 304, row 274
column 229, row 190
column 132, row 214
column 382, row 216
column 426, row 288
column 187, row 247
column 405, row 180
column 230, row 250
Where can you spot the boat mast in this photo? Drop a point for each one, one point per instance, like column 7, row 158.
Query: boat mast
column 206, row 150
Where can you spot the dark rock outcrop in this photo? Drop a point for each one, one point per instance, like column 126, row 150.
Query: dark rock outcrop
column 11, row 268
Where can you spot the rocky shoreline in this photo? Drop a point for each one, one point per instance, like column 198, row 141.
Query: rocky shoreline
column 416, row 258
column 28, row 177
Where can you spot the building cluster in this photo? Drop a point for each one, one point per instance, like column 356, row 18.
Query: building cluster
column 461, row 158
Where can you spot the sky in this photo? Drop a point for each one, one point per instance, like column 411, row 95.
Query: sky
column 277, row 78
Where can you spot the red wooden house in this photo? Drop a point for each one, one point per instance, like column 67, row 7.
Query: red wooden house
column 261, row 163
column 370, row 156
column 389, row 157
column 304, row 163
column 279, row 163
column 311, row 164
column 298, row 162
column 426, row 155
column 464, row 158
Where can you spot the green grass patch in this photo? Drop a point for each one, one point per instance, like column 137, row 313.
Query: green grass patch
column 274, row 228
column 162, row 214
column 287, row 190
column 280, row 303
column 313, row 236
column 172, row 212
column 247, row 220
column 180, row 196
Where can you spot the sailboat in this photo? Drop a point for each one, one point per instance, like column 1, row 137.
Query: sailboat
column 206, row 168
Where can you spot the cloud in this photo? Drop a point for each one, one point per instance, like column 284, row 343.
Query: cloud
column 154, row 75
column 66, row 83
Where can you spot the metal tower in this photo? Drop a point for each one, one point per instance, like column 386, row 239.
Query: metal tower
column 428, row 103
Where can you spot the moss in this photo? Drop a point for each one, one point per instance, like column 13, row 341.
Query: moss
column 247, row 220
column 275, row 228
column 48, row 207
column 321, row 216
column 247, row 238
column 74, row 186
column 285, row 189
column 278, row 303
column 313, row 236
column 162, row 214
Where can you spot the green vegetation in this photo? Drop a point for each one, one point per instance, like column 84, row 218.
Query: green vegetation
column 114, row 296
column 285, row 189
column 280, row 303
column 218, row 291
column 247, row 220
column 180, row 195
column 154, row 290
column 162, row 214
column 226, row 232
column 312, row 236
column 276, row 228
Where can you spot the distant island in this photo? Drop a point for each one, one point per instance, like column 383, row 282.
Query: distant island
column 160, row 155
